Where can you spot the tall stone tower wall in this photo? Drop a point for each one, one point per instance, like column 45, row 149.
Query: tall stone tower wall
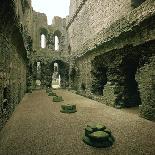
column 88, row 17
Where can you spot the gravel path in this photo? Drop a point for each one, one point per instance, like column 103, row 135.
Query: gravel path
column 38, row 128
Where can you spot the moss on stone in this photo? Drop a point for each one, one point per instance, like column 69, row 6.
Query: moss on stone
column 97, row 135
column 68, row 108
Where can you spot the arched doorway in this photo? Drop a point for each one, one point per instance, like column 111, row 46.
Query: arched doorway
column 56, row 74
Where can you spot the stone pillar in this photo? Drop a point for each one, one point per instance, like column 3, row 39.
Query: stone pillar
column 113, row 92
column 146, row 79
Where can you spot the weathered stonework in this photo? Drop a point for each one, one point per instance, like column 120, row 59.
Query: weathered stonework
column 109, row 56
column 146, row 79
column 15, row 47
column 48, row 56
column 106, row 52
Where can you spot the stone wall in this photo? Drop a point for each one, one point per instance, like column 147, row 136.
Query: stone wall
column 146, row 79
column 15, row 44
column 103, row 46
column 91, row 17
column 48, row 55
column 39, row 27
column 117, row 28
column 58, row 28
column 124, row 45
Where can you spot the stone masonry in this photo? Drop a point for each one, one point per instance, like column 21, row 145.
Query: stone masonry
column 112, row 48
column 106, row 52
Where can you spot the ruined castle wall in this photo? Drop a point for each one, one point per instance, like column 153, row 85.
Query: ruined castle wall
column 48, row 55
column 39, row 24
column 58, row 28
column 13, row 61
column 135, row 34
column 88, row 17
column 24, row 13
column 140, row 34
column 12, row 78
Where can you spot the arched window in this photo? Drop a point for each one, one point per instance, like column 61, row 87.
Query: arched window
column 56, row 43
column 43, row 41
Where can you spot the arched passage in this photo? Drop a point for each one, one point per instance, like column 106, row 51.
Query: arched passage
column 62, row 73
column 128, row 69
column 55, row 73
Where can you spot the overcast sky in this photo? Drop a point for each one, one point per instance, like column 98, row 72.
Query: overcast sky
column 52, row 8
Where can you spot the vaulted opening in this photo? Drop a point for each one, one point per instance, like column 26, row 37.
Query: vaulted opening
column 131, row 93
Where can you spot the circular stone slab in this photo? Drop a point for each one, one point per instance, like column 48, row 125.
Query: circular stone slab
column 98, row 135
column 96, row 127
column 68, row 108
column 97, row 144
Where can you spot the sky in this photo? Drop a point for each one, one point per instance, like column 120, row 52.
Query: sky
column 52, row 8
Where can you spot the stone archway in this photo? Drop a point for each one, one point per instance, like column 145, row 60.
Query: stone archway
column 128, row 68
column 48, row 73
column 63, row 71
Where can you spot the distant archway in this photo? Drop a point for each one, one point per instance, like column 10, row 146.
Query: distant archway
column 60, row 74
